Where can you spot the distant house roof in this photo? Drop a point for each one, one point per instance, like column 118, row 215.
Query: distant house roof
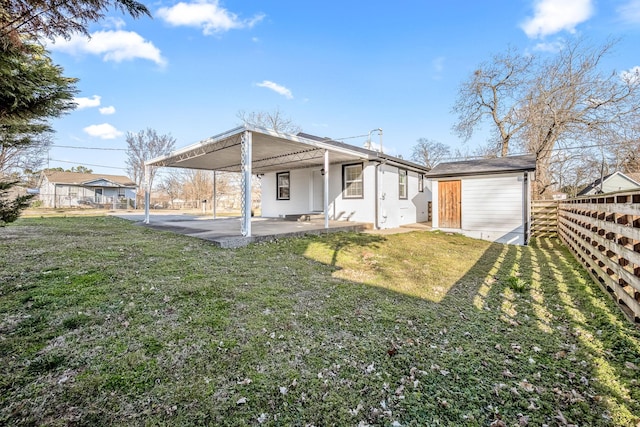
column 600, row 184
column 526, row 163
column 86, row 179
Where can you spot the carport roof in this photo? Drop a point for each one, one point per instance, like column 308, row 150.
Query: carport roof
column 271, row 151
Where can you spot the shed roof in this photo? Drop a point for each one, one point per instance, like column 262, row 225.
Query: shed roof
column 498, row 165
column 78, row 178
column 271, row 152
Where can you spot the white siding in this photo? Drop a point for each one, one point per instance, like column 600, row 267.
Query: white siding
column 616, row 183
column 492, row 207
column 299, row 200
column 392, row 211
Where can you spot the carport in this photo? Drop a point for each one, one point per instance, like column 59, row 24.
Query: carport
column 252, row 150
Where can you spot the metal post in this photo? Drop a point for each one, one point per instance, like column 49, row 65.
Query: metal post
column 326, row 188
column 214, row 195
column 147, row 194
column 246, row 183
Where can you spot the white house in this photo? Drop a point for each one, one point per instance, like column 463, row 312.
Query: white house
column 303, row 174
column 616, row 181
column 486, row 199
column 73, row 189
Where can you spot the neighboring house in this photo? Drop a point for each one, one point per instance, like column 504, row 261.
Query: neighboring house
column 487, row 199
column 73, row 189
column 363, row 185
column 616, row 181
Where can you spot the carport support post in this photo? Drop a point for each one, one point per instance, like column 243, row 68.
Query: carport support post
column 246, row 183
column 326, row 189
column 147, row 195
column 214, row 195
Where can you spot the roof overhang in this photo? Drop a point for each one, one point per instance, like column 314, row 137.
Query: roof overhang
column 271, row 151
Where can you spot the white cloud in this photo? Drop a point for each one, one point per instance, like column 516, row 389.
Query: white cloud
column 630, row 11
column 103, row 131
column 207, row 15
column 107, row 110
column 632, row 75
column 84, row 102
column 112, row 45
column 553, row 16
column 276, row 88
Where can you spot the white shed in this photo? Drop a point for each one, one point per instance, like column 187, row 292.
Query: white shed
column 486, row 199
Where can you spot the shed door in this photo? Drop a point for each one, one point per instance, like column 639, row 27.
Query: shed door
column 449, row 203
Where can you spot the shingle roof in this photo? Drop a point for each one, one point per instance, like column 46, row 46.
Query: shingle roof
column 78, row 178
column 525, row 163
column 366, row 151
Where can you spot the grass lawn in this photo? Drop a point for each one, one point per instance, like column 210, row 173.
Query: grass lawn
column 107, row 323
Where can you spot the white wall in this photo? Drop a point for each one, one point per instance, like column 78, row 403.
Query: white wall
column 392, row 212
column 299, row 197
column 492, row 207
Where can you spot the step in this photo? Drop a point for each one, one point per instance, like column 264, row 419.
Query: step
column 307, row 217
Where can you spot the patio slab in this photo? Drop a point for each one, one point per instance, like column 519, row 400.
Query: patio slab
column 225, row 232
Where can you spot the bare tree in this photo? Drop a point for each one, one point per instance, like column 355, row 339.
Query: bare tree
column 570, row 101
column 275, row 120
column 543, row 105
column 429, row 153
column 19, row 158
column 494, row 92
column 142, row 146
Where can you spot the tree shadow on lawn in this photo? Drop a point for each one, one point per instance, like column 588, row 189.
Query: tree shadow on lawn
column 341, row 329
column 548, row 343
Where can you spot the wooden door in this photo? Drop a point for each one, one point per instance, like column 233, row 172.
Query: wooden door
column 449, row 204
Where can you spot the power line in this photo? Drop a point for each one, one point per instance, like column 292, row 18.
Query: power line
column 87, row 164
column 89, row 148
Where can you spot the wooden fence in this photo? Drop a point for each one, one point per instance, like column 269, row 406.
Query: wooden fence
column 603, row 232
column 544, row 218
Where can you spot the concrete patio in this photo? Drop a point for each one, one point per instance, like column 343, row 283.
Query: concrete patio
column 225, row 231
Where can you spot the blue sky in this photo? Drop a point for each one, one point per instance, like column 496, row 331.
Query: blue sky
column 336, row 68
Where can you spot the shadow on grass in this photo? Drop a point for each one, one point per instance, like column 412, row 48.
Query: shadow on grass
column 550, row 343
column 341, row 329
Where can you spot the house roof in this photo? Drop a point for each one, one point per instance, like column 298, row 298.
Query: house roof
column 77, row 178
column 589, row 189
column 498, row 165
column 271, row 152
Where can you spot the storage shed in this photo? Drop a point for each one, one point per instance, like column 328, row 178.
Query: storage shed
column 486, row 199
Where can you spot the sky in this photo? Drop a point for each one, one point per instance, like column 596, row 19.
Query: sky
column 337, row 69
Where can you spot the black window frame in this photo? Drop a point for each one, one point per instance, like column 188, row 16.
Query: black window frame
column 288, row 187
column 344, row 181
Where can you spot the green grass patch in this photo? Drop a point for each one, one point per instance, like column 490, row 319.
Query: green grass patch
column 107, row 323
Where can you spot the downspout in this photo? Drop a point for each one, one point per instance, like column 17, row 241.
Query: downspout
column 376, row 224
column 376, row 209
column 525, row 207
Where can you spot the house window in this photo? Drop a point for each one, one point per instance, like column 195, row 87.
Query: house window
column 73, row 191
column 402, row 183
column 352, row 183
column 121, row 192
column 284, row 186
column 421, row 183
